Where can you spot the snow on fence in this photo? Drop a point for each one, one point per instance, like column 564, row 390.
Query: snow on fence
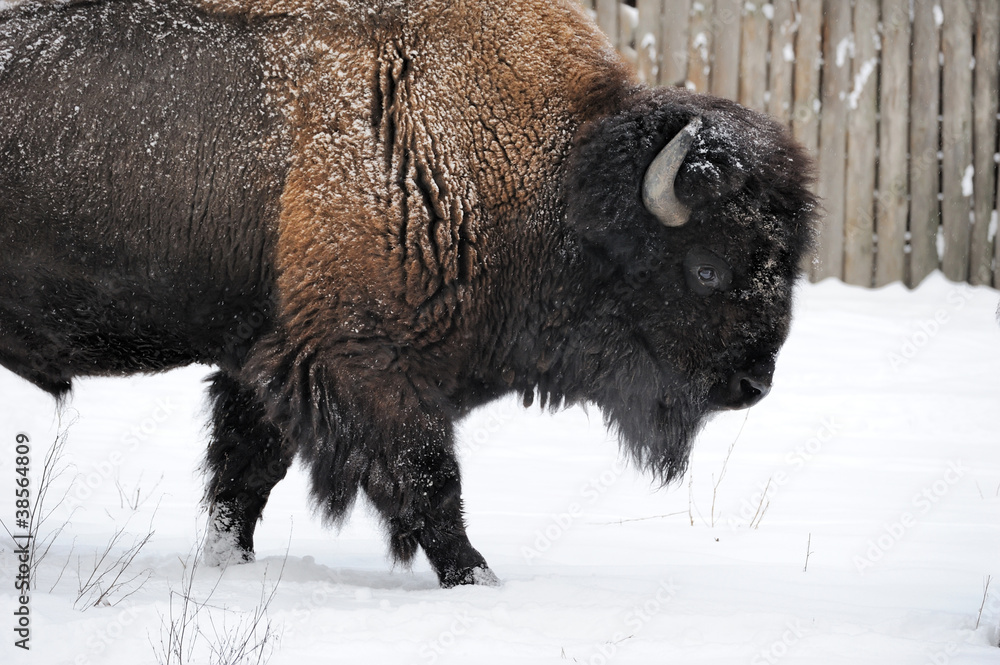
column 896, row 98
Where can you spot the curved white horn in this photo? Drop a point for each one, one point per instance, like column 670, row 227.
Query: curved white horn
column 658, row 185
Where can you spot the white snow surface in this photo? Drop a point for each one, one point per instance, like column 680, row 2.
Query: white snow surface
column 879, row 447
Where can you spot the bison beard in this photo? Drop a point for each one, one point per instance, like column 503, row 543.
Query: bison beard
column 372, row 221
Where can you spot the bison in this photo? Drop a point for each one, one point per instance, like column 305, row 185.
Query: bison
column 373, row 216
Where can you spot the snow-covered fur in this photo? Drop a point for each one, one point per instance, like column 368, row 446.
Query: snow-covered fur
column 374, row 216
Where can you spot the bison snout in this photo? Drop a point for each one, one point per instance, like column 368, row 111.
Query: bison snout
column 744, row 388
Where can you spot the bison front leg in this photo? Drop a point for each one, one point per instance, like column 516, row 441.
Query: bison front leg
column 422, row 505
column 360, row 426
column 245, row 461
column 417, row 489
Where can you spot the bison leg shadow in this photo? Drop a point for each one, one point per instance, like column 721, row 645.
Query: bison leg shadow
column 245, row 460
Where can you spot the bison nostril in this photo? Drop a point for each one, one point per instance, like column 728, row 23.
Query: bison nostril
column 746, row 389
column 754, row 389
column 741, row 391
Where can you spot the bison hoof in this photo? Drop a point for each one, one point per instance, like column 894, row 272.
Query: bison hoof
column 221, row 550
column 480, row 575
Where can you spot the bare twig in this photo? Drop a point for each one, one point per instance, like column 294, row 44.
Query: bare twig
column 691, row 497
column 639, row 519
column 62, row 571
column 252, row 633
column 983, row 604
column 52, row 469
column 249, row 642
column 762, row 512
column 135, row 500
column 761, row 507
column 108, row 577
column 725, row 464
column 808, row 552
column 178, row 648
column 111, row 575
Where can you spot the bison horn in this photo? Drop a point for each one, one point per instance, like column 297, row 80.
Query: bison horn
column 658, row 186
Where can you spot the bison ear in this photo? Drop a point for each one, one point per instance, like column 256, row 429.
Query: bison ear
column 620, row 179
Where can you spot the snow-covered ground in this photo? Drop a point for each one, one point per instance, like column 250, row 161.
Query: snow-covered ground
column 879, row 449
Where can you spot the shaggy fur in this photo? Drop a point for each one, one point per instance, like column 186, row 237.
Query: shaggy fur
column 374, row 216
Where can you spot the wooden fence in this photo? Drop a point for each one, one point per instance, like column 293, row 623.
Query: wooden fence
column 899, row 109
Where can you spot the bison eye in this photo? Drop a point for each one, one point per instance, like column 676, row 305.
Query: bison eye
column 706, row 272
column 708, row 276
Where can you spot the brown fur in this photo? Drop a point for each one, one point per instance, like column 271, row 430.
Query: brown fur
column 402, row 162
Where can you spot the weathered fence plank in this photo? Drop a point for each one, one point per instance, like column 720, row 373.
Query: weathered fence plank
column 833, row 137
column 808, row 59
column 806, row 101
column 699, row 73
column 925, row 78
column 893, row 187
column 984, row 140
column 674, row 42
column 956, row 138
column 647, row 39
column 607, row 18
column 782, row 70
column 754, row 42
column 726, row 48
column 627, row 20
column 859, row 207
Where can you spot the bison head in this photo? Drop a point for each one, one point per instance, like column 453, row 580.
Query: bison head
column 692, row 215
